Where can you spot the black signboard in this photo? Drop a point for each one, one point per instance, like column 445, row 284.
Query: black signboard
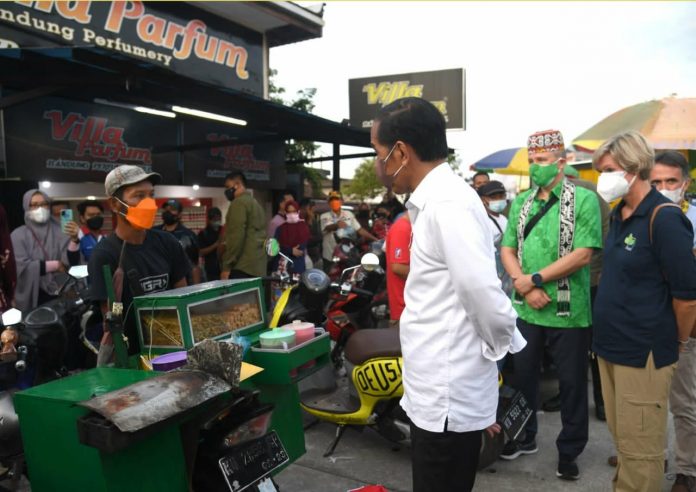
column 248, row 463
column 68, row 141
column 171, row 35
column 513, row 411
column 263, row 164
column 444, row 88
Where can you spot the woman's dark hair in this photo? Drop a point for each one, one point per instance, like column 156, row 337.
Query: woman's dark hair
column 237, row 175
column 416, row 122
column 82, row 206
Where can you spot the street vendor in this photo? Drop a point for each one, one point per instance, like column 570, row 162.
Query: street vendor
column 152, row 260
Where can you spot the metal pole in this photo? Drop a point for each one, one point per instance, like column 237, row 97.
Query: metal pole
column 336, row 167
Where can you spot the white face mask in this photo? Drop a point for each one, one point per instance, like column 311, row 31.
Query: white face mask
column 612, row 185
column 673, row 195
column 497, row 206
column 39, row 215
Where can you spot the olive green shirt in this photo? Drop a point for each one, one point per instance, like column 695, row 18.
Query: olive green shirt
column 541, row 249
column 245, row 233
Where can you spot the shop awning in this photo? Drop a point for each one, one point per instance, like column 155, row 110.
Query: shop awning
column 91, row 73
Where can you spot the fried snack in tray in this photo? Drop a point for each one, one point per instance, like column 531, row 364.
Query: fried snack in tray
column 233, row 318
column 165, row 328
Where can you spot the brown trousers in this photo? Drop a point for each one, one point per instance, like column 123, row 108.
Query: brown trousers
column 635, row 401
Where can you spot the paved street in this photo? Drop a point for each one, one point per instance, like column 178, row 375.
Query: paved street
column 363, row 458
column 366, row 458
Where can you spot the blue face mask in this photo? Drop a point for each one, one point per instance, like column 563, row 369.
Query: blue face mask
column 497, row 206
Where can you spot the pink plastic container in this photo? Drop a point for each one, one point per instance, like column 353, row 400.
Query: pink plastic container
column 303, row 332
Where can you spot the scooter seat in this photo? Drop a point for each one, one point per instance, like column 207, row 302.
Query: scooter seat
column 372, row 343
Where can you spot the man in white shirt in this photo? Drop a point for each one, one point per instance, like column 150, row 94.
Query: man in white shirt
column 457, row 321
column 494, row 198
column 337, row 219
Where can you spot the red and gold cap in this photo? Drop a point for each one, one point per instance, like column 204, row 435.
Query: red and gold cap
column 546, row 141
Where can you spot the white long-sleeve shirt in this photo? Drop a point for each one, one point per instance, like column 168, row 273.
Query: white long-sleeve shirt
column 457, row 320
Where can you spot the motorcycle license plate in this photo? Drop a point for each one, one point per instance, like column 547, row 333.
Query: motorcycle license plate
column 516, row 413
column 247, row 464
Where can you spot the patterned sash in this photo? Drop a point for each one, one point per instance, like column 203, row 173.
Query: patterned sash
column 565, row 239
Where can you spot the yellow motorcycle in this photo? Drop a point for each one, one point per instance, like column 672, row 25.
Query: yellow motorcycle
column 368, row 392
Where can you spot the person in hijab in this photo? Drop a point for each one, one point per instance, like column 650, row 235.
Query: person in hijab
column 8, row 269
column 293, row 236
column 41, row 252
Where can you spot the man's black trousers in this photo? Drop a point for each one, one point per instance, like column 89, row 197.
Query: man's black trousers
column 569, row 351
column 444, row 461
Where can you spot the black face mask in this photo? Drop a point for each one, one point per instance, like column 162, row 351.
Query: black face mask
column 229, row 193
column 95, row 223
column 169, row 218
column 364, row 214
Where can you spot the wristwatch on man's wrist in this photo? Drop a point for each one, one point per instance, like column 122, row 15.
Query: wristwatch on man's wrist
column 537, row 280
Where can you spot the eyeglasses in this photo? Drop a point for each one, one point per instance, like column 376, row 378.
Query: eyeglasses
column 34, row 206
column 384, row 161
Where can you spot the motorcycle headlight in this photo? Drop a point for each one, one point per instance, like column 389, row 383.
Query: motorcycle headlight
column 41, row 316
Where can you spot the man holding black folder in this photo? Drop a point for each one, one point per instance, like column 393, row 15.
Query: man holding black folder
column 552, row 231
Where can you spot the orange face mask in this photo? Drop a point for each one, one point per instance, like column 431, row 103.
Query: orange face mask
column 335, row 206
column 141, row 216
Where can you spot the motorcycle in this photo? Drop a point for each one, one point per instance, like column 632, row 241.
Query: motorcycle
column 346, row 253
column 367, row 394
column 33, row 352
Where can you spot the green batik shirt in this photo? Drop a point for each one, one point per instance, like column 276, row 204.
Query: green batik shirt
column 541, row 249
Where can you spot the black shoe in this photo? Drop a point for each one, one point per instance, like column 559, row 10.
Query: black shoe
column 553, row 404
column 568, row 470
column 599, row 412
column 514, row 449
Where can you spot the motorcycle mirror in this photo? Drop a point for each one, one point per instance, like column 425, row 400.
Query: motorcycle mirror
column 11, row 317
column 272, row 247
column 369, row 261
column 78, row 272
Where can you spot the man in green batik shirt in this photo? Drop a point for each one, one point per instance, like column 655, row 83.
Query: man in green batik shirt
column 552, row 231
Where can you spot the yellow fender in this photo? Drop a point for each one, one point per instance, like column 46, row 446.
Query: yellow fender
column 280, row 307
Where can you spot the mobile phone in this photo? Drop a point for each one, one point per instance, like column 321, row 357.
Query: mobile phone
column 66, row 216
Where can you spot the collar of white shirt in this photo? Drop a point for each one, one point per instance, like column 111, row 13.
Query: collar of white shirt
column 427, row 188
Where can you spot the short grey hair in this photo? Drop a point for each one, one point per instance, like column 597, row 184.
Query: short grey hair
column 631, row 151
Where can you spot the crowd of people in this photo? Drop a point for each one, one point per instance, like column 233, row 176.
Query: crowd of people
column 473, row 281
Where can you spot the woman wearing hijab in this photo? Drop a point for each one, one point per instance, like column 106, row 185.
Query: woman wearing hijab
column 8, row 270
column 293, row 236
column 41, row 252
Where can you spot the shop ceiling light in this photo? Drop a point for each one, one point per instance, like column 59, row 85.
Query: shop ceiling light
column 139, row 109
column 210, row 116
column 158, row 112
column 45, row 184
column 196, row 187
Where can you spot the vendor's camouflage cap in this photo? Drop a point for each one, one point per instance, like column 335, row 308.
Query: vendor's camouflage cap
column 128, row 175
column 334, row 195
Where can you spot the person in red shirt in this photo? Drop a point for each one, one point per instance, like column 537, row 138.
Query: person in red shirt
column 398, row 264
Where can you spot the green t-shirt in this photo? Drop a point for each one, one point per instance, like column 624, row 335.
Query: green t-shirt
column 541, row 249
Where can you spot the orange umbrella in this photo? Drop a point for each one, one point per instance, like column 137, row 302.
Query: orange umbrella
column 668, row 123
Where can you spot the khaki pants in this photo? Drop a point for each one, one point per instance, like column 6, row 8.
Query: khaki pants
column 635, row 401
column 682, row 399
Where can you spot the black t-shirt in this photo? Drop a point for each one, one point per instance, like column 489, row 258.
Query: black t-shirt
column 188, row 240
column 207, row 237
column 160, row 263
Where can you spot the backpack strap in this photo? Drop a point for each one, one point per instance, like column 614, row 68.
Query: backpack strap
column 654, row 214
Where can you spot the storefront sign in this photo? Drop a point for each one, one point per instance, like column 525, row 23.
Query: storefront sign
column 66, row 141
column 263, row 164
column 175, row 36
column 443, row 88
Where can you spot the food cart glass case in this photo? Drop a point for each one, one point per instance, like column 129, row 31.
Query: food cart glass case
column 180, row 318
